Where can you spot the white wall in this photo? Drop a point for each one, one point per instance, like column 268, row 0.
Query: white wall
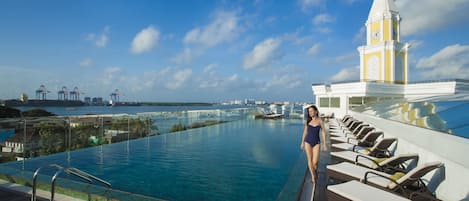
column 450, row 182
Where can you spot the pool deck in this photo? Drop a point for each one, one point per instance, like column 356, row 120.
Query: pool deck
column 15, row 192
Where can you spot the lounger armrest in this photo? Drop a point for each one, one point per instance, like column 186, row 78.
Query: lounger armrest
column 365, row 177
column 365, row 180
column 365, row 157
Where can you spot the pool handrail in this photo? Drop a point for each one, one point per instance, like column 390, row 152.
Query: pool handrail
column 36, row 173
column 73, row 171
column 81, row 173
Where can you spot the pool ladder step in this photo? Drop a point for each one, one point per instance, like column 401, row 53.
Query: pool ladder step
column 73, row 171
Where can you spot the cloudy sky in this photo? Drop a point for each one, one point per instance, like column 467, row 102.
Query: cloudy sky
column 212, row 51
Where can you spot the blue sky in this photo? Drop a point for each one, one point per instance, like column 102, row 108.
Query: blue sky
column 212, row 51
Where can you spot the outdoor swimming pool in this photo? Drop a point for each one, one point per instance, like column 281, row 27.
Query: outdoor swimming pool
column 239, row 160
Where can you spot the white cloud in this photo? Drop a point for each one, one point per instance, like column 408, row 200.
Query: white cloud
column 100, row 40
column 351, row 1
column 323, row 18
column 349, row 57
column 234, row 77
column 111, row 75
column 145, row 40
column 210, row 69
column 296, row 37
column 313, row 50
column 285, row 81
column 422, row 16
column 86, row 62
column 153, row 78
column 212, row 81
column 360, row 36
column 306, row 4
column 179, row 78
column 223, row 28
column 263, row 53
column 415, row 44
column 111, row 70
column 169, row 77
column 185, row 56
column 324, row 30
column 270, row 20
column 449, row 62
column 347, row 74
column 320, row 20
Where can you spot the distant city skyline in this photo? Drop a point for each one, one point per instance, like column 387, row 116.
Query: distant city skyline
column 215, row 51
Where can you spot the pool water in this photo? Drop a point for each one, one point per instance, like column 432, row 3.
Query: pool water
column 239, row 160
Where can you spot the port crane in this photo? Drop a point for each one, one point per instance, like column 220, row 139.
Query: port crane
column 41, row 93
column 63, row 93
column 115, row 96
column 75, row 94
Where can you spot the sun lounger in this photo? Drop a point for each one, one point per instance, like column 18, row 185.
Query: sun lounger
column 356, row 131
column 364, row 138
column 389, row 165
column 347, row 124
column 357, row 191
column 369, row 140
column 341, row 121
column 380, row 149
column 404, row 183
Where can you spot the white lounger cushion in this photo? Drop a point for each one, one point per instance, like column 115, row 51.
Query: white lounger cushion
column 347, row 146
column 350, row 155
column 358, row 191
column 358, row 173
column 341, row 134
column 351, row 139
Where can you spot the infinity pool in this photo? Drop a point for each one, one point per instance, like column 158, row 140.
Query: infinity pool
column 239, row 160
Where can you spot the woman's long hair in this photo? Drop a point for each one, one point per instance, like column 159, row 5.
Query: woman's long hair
column 310, row 118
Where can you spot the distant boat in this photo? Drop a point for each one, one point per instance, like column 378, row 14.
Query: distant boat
column 273, row 116
column 112, row 104
column 269, row 116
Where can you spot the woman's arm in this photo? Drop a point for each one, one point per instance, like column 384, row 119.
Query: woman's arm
column 323, row 130
column 303, row 138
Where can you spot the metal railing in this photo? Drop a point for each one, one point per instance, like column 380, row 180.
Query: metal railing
column 73, row 171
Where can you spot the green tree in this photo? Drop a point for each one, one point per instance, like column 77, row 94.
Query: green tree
column 138, row 127
column 177, row 127
column 53, row 136
column 37, row 113
column 8, row 112
column 81, row 135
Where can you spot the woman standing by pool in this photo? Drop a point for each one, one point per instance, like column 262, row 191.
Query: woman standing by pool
column 310, row 142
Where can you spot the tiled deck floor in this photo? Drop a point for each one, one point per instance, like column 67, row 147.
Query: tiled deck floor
column 9, row 195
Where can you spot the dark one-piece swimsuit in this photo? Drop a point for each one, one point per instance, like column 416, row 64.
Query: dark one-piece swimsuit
column 312, row 136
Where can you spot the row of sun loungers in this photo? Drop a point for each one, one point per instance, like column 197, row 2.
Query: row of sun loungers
column 368, row 168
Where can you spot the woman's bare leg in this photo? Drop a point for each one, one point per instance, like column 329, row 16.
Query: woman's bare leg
column 315, row 159
column 309, row 158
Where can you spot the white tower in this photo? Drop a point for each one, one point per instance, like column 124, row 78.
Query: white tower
column 384, row 57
